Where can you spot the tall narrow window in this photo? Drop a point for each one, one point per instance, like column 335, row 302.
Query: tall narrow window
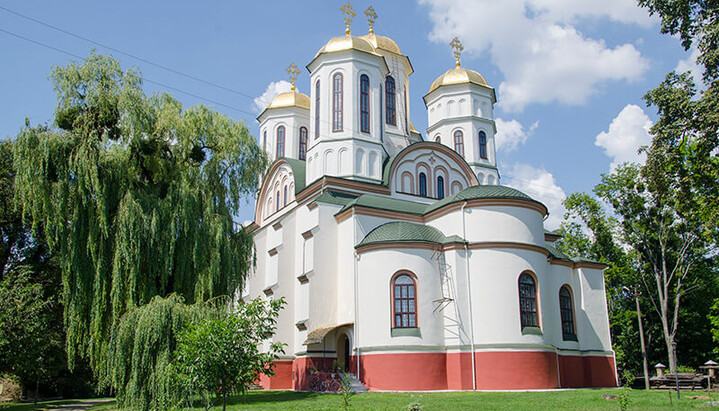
column 285, row 202
column 280, row 141
column 423, row 184
column 317, row 109
column 437, row 138
column 337, row 102
column 364, row 103
column 440, row 187
column 528, row 301
column 303, row 143
column 389, row 98
column 277, row 203
column 482, row 144
column 567, row 312
column 405, row 302
column 264, row 140
column 459, row 142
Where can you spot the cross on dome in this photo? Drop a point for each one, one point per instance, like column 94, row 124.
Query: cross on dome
column 292, row 72
column 371, row 17
column 349, row 13
column 457, row 48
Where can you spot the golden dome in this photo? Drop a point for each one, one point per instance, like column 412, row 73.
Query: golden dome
column 290, row 99
column 458, row 75
column 382, row 43
column 346, row 42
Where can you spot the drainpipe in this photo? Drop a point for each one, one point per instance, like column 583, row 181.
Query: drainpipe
column 356, row 291
column 469, row 298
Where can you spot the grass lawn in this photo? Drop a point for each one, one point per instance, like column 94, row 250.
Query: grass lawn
column 554, row 400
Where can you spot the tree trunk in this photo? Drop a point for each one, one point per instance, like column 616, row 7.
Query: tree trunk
column 224, row 401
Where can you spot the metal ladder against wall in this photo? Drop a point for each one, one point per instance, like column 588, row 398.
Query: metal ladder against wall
column 445, row 283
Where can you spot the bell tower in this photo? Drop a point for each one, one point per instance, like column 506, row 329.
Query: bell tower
column 460, row 107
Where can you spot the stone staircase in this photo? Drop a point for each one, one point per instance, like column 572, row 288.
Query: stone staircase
column 356, row 386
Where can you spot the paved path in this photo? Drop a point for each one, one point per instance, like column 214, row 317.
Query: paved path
column 79, row 405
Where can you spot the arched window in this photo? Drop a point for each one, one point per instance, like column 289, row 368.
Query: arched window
column 423, row 184
column 303, row 143
column 317, row 109
column 567, row 311
column 277, row 203
column 440, row 187
column 390, row 114
column 405, row 302
column 337, row 102
column 264, row 140
column 437, row 138
column 364, row 103
column 459, row 142
column 528, row 301
column 280, row 141
column 285, row 202
column 482, row 144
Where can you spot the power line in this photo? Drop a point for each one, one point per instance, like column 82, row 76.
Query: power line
column 157, row 83
column 164, row 68
column 180, row 73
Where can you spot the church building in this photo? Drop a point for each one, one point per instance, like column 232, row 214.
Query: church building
column 401, row 256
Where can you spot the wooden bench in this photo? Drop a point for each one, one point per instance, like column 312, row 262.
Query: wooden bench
column 687, row 381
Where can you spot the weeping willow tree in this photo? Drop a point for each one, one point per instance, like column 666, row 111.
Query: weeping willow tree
column 136, row 195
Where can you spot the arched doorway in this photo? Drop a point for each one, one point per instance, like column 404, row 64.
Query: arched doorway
column 343, row 352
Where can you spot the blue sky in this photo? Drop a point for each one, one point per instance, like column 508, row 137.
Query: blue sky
column 570, row 74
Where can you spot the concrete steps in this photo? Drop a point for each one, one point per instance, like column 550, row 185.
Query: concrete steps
column 356, row 385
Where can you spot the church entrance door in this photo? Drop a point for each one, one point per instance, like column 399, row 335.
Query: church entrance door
column 343, row 352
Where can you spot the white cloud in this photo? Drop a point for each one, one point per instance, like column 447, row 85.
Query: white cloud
column 273, row 89
column 544, row 58
column 627, row 133
column 690, row 64
column 541, row 185
column 511, row 134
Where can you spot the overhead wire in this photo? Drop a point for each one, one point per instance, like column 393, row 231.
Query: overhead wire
column 144, row 60
column 189, row 76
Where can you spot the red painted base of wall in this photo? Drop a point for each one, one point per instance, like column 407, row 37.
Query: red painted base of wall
column 499, row 370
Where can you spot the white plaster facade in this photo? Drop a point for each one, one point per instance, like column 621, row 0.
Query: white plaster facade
column 357, row 214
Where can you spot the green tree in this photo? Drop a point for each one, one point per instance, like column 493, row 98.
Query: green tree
column 683, row 159
column 141, row 352
column 219, row 355
column 672, row 255
column 31, row 332
column 136, row 196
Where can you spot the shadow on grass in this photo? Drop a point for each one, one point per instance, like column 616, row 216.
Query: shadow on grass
column 254, row 397
column 55, row 405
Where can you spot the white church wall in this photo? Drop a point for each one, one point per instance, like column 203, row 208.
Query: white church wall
column 433, row 164
column 558, row 276
column 376, row 269
column 292, row 118
column 323, row 283
column 457, row 326
column 494, row 273
column 595, row 334
column 493, row 223
column 352, row 65
column 345, row 271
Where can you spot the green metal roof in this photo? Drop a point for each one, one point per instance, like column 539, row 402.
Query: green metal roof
column 386, row 203
column 335, row 197
column 411, row 207
column 298, row 170
column 585, row 260
column 555, row 253
column 482, row 191
column 401, row 231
